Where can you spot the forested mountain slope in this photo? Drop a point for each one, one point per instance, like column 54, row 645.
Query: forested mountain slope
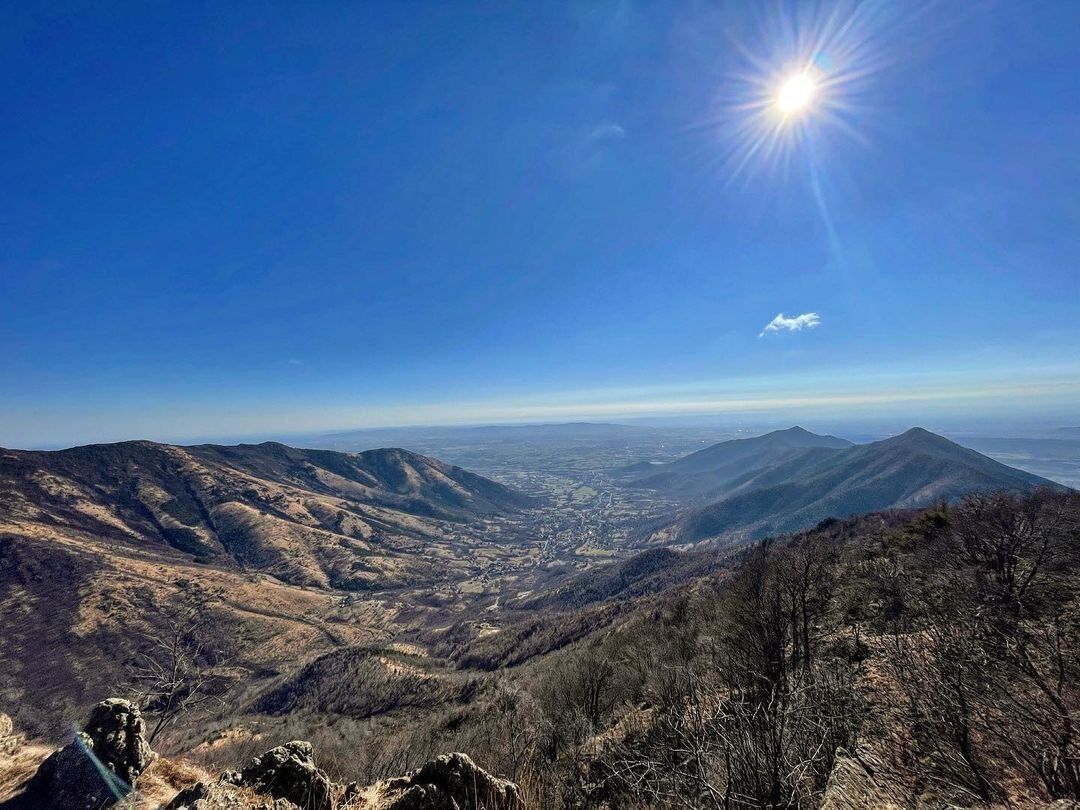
column 808, row 485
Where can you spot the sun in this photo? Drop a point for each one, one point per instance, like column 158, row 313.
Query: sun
column 796, row 94
column 803, row 85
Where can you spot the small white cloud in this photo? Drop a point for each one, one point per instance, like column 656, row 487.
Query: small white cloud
column 607, row 131
column 582, row 150
column 808, row 320
column 294, row 362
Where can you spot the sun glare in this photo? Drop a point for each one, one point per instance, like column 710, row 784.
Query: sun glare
column 802, row 81
column 796, row 94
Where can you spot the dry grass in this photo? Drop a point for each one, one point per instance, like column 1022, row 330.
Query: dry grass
column 18, row 766
column 164, row 779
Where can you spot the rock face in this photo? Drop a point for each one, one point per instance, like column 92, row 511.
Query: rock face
column 289, row 772
column 452, row 782
column 96, row 769
column 117, row 736
column 286, row 774
column 860, row 781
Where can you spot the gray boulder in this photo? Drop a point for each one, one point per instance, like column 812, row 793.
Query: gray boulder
column 285, row 777
column 289, row 772
column 98, row 768
column 452, row 782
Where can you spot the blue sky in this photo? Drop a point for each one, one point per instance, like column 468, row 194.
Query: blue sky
column 228, row 218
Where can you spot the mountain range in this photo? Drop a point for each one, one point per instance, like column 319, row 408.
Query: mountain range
column 791, row 479
column 304, row 553
column 301, row 551
column 387, row 605
column 306, row 517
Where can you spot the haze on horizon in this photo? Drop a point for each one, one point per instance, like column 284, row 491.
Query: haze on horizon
column 223, row 222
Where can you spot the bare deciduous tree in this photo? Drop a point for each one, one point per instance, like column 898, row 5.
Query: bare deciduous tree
column 754, row 719
column 179, row 668
column 1016, row 540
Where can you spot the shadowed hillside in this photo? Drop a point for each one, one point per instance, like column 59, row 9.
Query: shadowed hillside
column 709, row 470
column 100, row 544
column 306, row 517
column 804, row 486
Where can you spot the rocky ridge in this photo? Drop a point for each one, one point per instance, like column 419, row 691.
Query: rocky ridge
column 102, row 765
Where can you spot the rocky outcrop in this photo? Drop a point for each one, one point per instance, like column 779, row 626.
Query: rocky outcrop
column 289, row 772
column 452, row 782
column 286, row 774
column 285, row 778
column 860, row 780
column 99, row 768
column 95, row 770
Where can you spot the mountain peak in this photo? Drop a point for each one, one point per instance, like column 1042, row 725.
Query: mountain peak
column 919, row 431
column 922, row 436
column 802, row 437
column 919, row 439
